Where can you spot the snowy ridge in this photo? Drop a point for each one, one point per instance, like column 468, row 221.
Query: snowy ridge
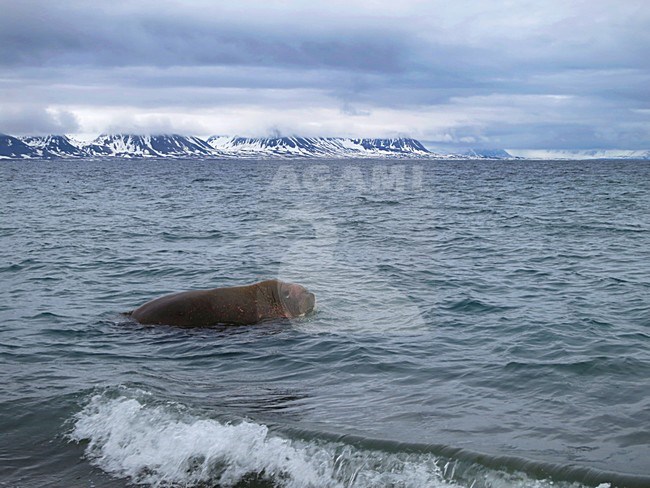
column 144, row 146
column 177, row 147
column 392, row 145
column 487, row 154
column 325, row 147
column 581, row 154
column 14, row 148
column 53, row 146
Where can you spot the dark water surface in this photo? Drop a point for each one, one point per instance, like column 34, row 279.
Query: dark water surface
column 479, row 324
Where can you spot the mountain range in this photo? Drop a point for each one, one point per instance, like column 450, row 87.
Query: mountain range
column 177, row 146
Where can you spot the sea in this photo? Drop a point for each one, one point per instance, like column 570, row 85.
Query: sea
column 479, row 324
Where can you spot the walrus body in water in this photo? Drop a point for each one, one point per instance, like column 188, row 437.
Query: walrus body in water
column 237, row 305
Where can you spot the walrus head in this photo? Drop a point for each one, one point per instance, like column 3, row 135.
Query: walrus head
column 296, row 300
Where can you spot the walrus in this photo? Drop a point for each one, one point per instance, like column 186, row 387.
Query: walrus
column 235, row 305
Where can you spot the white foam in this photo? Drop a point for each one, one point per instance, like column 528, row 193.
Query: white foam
column 165, row 445
column 152, row 445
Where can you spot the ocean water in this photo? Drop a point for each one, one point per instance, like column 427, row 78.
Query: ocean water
column 478, row 324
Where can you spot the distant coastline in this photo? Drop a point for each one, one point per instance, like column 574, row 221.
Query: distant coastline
column 174, row 146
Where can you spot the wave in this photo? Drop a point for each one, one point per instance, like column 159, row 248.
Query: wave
column 623, row 366
column 470, row 305
column 130, row 435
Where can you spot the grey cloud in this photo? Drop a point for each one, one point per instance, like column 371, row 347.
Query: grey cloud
column 411, row 57
column 542, row 135
column 48, row 33
column 35, row 120
column 614, row 84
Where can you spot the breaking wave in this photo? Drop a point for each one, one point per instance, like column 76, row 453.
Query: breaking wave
column 129, row 435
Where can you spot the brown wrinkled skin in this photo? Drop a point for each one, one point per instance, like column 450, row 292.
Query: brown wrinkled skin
column 237, row 305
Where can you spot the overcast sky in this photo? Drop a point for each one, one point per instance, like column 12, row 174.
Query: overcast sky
column 485, row 74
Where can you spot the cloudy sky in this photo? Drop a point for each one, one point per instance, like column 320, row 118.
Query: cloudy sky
column 509, row 74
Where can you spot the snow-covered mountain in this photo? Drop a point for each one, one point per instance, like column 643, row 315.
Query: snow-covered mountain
column 176, row 146
column 324, row 147
column 141, row 146
column 580, row 154
column 14, row 148
column 53, row 146
column 395, row 146
column 486, row 154
column 275, row 146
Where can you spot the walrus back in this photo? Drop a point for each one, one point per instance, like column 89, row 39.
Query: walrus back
column 181, row 309
column 199, row 308
column 237, row 305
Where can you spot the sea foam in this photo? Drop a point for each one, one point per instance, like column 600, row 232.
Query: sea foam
column 163, row 445
column 130, row 436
